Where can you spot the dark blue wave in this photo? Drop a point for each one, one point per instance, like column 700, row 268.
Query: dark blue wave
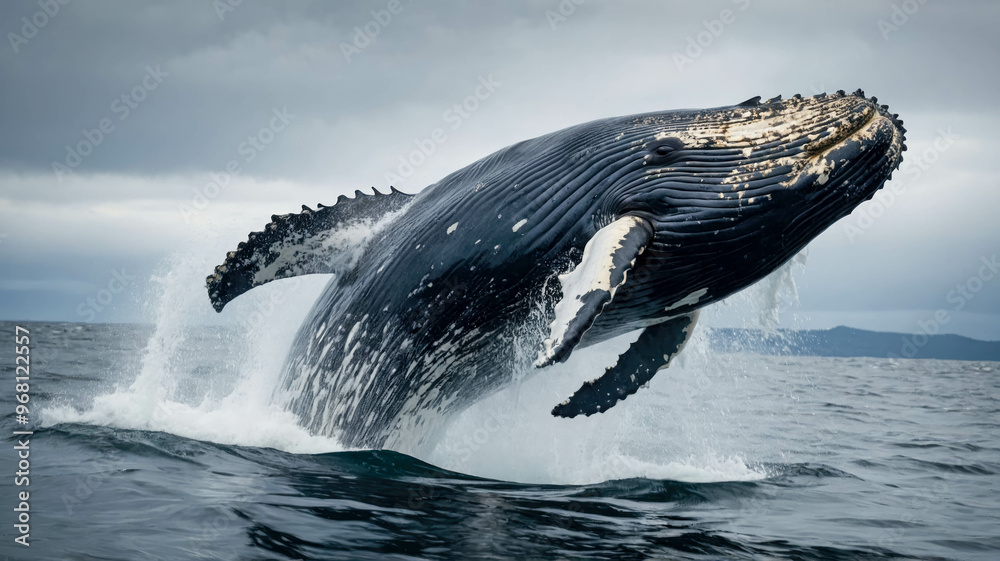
column 257, row 503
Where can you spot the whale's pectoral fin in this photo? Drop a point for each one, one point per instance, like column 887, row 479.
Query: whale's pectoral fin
column 325, row 240
column 654, row 349
column 607, row 258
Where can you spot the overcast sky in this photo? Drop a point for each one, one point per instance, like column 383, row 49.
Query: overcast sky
column 181, row 88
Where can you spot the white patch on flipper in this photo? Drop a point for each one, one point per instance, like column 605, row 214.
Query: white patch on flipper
column 690, row 299
column 593, row 273
column 452, row 228
column 519, row 224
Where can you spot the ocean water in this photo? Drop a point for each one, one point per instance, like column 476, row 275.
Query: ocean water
column 162, row 441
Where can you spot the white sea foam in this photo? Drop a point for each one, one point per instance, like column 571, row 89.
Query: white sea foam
column 513, row 436
column 225, row 398
column 678, row 428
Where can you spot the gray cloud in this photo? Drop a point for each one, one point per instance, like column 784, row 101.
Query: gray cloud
column 222, row 79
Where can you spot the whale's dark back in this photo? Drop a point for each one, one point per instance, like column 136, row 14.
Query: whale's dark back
column 449, row 299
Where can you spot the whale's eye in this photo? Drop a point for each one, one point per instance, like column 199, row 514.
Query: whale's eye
column 663, row 151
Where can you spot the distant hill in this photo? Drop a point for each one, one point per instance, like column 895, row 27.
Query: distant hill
column 849, row 342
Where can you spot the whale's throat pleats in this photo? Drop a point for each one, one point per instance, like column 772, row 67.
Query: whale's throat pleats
column 322, row 241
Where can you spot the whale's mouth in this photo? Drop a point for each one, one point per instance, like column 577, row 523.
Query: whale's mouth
column 868, row 122
column 881, row 126
column 856, row 156
column 846, row 167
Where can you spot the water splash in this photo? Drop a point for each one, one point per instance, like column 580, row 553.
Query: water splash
column 759, row 306
column 677, row 428
column 222, row 393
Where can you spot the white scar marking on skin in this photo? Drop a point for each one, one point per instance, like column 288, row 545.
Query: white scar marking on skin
column 452, row 228
column 690, row 299
column 519, row 224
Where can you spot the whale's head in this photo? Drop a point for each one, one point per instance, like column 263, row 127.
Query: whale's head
column 746, row 186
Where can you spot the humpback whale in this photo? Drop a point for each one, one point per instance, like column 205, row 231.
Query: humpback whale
column 552, row 244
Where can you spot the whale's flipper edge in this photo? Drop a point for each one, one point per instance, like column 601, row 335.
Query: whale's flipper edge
column 326, row 240
column 607, row 259
column 654, row 349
